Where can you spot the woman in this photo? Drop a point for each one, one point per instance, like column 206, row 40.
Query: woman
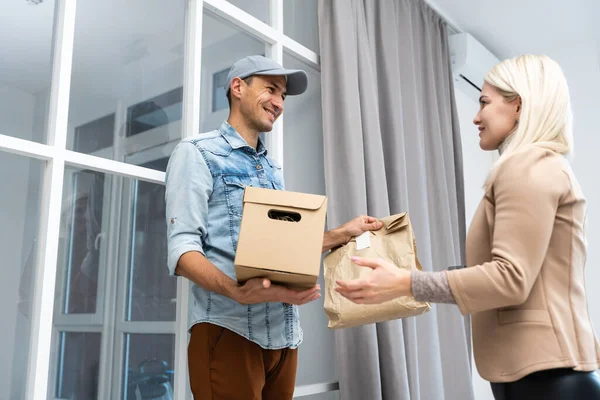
column 526, row 248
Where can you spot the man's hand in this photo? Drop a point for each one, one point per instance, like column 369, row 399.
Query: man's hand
column 261, row 290
column 359, row 225
column 344, row 233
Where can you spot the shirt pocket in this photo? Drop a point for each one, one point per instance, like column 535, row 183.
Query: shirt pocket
column 234, row 192
column 275, row 175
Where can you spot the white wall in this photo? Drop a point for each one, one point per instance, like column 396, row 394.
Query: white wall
column 476, row 164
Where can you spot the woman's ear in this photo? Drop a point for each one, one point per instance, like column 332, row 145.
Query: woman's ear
column 519, row 106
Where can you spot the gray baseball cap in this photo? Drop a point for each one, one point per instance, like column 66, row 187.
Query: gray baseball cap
column 297, row 80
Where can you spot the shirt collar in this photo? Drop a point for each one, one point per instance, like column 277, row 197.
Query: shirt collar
column 236, row 141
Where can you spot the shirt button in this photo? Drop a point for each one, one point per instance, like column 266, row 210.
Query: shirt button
column 258, row 166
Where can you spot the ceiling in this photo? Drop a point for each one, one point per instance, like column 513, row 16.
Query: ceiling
column 512, row 27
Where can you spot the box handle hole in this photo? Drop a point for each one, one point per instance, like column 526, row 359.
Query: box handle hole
column 287, row 216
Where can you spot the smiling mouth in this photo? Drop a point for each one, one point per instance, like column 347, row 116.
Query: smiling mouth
column 272, row 114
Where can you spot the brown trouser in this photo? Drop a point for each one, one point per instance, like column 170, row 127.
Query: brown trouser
column 226, row 366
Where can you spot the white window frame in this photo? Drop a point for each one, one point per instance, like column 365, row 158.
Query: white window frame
column 57, row 157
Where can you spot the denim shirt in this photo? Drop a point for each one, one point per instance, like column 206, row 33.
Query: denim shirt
column 205, row 182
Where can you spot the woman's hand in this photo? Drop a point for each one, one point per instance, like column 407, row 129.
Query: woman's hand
column 385, row 282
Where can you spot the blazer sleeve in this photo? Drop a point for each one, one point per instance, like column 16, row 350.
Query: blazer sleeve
column 526, row 193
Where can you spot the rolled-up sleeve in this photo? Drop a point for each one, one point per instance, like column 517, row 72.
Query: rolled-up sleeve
column 189, row 185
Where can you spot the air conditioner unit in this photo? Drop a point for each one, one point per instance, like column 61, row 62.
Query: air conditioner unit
column 471, row 61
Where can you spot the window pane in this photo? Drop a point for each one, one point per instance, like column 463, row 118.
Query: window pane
column 126, row 88
column 137, row 239
column 78, row 365
column 152, row 293
column 222, row 45
column 257, row 8
column 26, row 67
column 20, row 185
column 301, row 22
column 148, row 366
column 303, row 155
column 82, row 235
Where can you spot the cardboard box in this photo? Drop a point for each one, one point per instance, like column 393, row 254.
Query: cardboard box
column 281, row 237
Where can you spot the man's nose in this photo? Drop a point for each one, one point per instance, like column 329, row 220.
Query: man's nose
column 277, row 105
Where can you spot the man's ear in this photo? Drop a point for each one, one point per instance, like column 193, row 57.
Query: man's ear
column 236, row 88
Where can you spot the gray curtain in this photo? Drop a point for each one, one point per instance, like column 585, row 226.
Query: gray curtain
column 392, row 144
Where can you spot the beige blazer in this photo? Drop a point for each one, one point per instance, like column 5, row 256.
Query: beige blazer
column 524, row 287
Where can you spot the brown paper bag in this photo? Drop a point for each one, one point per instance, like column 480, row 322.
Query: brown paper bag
column 394, row 242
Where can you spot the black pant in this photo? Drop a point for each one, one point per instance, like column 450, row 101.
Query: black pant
column 553, row 384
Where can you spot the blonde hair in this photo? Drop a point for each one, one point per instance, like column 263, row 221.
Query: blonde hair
column 546, row 119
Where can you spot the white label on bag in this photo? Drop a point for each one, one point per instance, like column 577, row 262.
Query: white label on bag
column 363, row 241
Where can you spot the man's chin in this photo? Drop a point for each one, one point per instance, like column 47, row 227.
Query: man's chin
column 266, row 127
